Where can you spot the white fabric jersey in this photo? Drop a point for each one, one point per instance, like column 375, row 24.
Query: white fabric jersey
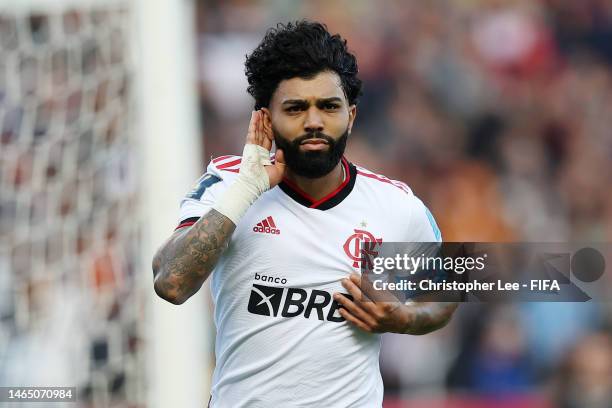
column 280, row 339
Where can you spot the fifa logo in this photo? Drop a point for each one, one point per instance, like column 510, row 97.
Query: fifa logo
column 361, row 247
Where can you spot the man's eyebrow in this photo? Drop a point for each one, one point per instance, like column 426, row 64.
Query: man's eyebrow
column 328, row 100
column 294, row 101
column 304, row 101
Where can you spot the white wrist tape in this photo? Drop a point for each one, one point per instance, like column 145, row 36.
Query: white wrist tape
column 252, row 182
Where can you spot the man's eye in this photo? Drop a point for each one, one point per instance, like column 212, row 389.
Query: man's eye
column 293, row 109
column 330, row 106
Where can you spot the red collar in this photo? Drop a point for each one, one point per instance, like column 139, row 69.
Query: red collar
column 330, row 200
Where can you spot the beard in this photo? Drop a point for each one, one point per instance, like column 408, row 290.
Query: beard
column 311, row 163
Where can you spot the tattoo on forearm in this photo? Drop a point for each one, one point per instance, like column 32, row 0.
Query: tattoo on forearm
column 429, row 317
column 187, row 259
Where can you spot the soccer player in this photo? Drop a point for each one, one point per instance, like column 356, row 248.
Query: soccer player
column 281, row 239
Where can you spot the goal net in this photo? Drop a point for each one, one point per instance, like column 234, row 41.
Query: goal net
column 70, row 303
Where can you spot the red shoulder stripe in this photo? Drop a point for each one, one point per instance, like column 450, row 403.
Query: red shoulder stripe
column 383, row 179
column 218, row 159
column 229, row 164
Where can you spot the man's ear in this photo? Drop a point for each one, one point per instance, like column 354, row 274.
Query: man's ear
column 352, row 115
column 268, row 122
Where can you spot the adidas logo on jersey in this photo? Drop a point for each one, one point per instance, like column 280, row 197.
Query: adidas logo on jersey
column 291, row 302
column 266, row 226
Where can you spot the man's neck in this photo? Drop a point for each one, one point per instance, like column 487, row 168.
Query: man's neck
column 318, row 188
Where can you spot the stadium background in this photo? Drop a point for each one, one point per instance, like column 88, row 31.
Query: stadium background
column 496, row 113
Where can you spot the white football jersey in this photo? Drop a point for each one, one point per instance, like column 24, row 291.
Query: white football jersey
column 280, row 339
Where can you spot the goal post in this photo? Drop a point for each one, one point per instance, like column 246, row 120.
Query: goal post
column 180, row 343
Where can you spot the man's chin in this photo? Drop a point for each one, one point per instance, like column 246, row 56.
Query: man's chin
column 312, row 165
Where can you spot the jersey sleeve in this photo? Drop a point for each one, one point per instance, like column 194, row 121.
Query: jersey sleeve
column 207, row 190
column 422, row 226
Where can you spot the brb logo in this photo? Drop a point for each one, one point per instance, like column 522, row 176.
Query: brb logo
column 291, row 302
column 361, row 248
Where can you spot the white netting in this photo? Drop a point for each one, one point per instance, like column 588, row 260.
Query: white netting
column 70, row 309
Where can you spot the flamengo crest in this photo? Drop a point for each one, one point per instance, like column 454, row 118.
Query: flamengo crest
column 361, row 247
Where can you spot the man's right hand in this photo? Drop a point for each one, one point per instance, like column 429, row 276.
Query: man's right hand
column 260, row 134
column 257, row 174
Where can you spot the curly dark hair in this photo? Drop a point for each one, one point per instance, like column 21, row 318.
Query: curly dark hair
column 299, row 49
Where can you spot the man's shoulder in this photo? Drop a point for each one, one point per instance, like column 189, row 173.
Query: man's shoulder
column 224, row 164
column 398, row 198
column 381, row 182
column 219, row 172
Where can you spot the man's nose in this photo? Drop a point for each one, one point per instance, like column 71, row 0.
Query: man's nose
column 313, row 121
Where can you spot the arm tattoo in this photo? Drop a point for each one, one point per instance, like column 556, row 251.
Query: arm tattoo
column 186, row 260
column 429, row 316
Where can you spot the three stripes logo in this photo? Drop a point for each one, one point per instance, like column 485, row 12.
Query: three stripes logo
column 267, row 226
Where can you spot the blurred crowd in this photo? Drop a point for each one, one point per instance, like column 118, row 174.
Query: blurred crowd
column 497, row 113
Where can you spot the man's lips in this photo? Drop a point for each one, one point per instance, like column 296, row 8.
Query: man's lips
column 314, row 144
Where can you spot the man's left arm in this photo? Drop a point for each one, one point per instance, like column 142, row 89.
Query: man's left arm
column 426, row 317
